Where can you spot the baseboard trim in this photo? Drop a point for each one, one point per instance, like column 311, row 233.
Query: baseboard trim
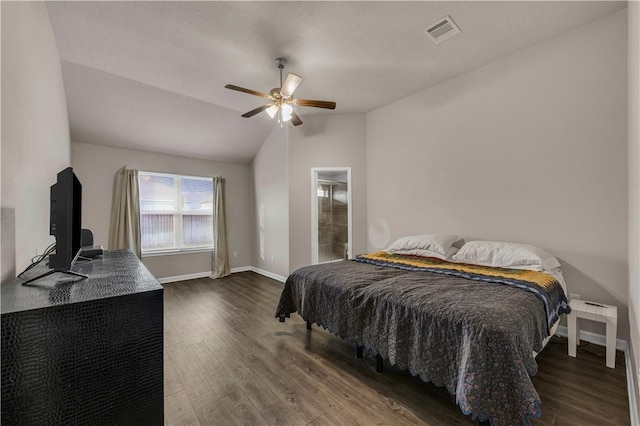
column 268, row 274
column 631, row 389
column 597, row 339
column 175, row 278
column 259, row 271
column 206, row 274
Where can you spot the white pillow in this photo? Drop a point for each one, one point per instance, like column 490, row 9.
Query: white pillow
column 430, row 245
column 506, row 255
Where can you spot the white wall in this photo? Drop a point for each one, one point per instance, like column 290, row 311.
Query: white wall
column 634, row 182
column 35, row 131
column 325, row 141
column 531, row 148
column 270, row 170
column 96, row 166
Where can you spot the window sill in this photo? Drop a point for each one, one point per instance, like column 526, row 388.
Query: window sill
column 177, row 251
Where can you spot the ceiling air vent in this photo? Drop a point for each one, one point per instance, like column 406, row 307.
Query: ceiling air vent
column 442, row 30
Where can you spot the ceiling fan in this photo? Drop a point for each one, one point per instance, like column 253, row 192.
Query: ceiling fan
column 281, row 98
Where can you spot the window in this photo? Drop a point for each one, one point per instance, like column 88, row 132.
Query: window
column 176, row 212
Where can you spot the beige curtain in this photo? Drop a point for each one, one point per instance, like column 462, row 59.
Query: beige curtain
column 220, row 261
column 124, row 228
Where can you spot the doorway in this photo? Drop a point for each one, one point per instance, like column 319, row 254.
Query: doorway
column 331, row 236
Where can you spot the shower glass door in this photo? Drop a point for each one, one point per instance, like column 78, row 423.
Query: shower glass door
column 331, row 214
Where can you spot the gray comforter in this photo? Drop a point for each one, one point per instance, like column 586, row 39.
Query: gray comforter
column 476, row 339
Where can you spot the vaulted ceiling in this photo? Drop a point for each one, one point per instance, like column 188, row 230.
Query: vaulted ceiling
column 151, row 75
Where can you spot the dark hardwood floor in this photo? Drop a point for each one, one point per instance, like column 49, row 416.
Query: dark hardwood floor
column 229, row 361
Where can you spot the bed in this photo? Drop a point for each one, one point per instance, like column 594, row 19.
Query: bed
column 473, row 329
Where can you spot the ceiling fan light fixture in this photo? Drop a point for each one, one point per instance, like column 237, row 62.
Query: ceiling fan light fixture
column 286, row 112
column 272, row 111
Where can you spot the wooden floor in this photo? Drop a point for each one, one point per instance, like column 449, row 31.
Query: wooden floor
column 229, row 361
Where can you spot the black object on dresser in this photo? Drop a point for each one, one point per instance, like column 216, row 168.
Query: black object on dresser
column 87, row 352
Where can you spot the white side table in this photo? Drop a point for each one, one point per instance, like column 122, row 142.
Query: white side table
column 607, row 314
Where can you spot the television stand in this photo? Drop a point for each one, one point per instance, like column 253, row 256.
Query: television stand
column 83, row 353
column 53, row 271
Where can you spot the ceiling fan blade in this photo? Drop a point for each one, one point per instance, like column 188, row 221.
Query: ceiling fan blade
column 315, row 104
column 295, row 119
column 290, row 84
column 249, row 91
column 255, row 111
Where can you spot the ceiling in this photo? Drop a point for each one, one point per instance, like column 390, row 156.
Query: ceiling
column 151, row 75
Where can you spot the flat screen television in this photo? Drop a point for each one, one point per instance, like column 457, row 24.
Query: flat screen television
column 65, row 220
column 65, row 223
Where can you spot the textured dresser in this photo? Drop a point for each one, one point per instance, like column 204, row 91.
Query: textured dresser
column 84, row 352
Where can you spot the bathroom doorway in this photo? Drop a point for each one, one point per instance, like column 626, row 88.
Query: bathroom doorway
column 330, row 214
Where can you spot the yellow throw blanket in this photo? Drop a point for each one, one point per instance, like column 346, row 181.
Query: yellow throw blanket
column 547, row 288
